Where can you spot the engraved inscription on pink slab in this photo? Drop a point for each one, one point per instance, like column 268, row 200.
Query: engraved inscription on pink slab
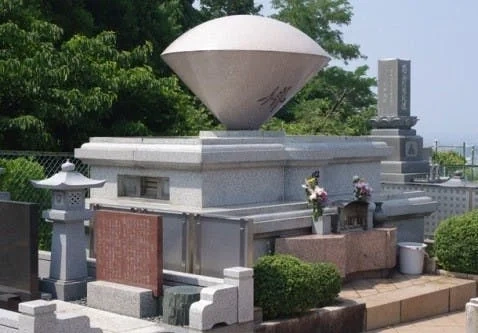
column 128, row 249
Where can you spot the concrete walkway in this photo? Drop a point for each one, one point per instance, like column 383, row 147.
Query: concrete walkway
column 110, row 322
column 401, row 304
column 447, row 323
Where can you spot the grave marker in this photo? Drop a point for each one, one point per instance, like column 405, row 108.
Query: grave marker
column 128, row 249
column 18, row 251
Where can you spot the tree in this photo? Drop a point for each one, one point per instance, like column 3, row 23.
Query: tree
column 135, row 22
column 448, row 158
column 336, row 101
column 217, row 8
column 55, row 95
column 320, row 19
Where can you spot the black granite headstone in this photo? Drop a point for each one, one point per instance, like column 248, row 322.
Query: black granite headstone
column 18, row 251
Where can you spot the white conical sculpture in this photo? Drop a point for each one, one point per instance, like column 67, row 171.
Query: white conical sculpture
column 244, row 68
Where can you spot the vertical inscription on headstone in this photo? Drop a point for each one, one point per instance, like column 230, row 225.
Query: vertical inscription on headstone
column 393, row 88
column 129, row 249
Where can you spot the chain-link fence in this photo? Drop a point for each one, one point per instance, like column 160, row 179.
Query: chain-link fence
column 23, row 166
column 468, row 169
column 51, row 162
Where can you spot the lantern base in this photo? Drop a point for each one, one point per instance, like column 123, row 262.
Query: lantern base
column 65, row 290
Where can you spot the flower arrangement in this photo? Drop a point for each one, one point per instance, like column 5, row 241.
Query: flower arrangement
column 316, row 195
column 362, row 190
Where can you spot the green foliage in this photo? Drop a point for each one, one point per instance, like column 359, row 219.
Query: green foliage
column 321, row 20
column 134, row 22
column 336, row 101
column 327, row 283
column 456, row 243
column 16, row 180
column 70, row 70
column 285, row 285
column 448, row 158
column 54, row 95
column 217, row 8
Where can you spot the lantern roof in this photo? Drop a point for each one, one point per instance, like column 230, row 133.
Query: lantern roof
column 67, row 179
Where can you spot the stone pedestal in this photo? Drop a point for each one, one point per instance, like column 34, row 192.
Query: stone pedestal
column 68, row 269
column 65, row 290
column 68, row 260
column 352, row 253
column 242, row 278
column 407, row 160
column 472, row 316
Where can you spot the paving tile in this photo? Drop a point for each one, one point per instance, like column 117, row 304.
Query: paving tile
column 403, row 284
column 434, row 277
column 385, row 287
column 366, row 292
column 352, row 294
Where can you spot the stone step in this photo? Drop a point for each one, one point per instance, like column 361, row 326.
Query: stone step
column 405, row 298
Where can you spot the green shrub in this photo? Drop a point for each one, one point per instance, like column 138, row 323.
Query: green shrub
column 285, row 285
column 327, row 283
column 16, row 180
column 456, row 243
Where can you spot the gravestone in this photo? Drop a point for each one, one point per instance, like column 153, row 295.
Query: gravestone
column 394, row 88
column 18, row 253
column 128, row 249
column 393, row 124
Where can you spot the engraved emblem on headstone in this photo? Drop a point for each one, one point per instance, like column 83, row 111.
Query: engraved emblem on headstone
column 411, row 149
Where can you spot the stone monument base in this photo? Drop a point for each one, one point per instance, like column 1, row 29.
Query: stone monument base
column 122, row 299
column 354, row 252
column 406, row 163
column 64, row 290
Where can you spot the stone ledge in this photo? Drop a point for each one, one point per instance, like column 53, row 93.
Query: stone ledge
column 347, row 316
column 122, row 299
column 351, row 252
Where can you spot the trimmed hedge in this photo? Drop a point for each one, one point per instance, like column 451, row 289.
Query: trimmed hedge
column 285, row 285
column 456, row 243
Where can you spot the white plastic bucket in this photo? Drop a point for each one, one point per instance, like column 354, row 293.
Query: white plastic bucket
column 411, row 257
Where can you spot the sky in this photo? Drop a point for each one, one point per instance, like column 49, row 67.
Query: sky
column 440, row 37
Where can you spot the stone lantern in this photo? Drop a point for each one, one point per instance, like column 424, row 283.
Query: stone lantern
column 68, row 268
column 4, row 195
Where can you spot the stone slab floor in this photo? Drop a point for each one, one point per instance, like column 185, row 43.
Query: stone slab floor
column 406, row 303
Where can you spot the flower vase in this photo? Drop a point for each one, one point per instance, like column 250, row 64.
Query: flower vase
column 318, row 225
